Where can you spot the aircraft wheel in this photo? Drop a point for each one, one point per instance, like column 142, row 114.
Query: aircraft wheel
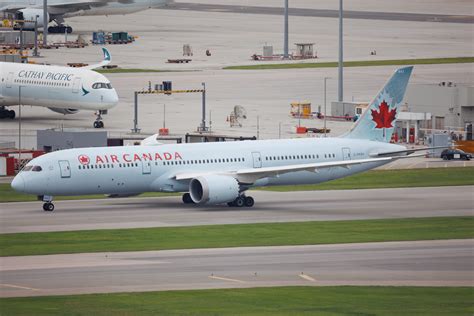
column 187, row 199
column 48, row 207
column 11, row 114
column 230, row 204
column 239, row 202
column 249, row 201
column 98, row 124
column 69, row 30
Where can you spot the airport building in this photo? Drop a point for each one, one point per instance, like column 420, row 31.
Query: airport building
column 451, row 104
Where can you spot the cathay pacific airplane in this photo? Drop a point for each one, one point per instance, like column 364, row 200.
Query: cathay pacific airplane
column 59, row 9
column 218, row 173
column 63, row 90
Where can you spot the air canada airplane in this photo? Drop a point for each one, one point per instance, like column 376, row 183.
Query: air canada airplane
column 63, row 90
column 218, row 173
column 29, row 10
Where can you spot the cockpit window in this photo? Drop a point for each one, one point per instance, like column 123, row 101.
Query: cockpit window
column 101, row 85
column 36, row 168
column 27, row 168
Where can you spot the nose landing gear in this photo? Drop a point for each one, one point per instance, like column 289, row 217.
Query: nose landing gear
column 48, row 206
column 98, row 121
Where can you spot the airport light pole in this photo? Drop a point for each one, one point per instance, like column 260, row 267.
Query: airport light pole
column 258, row 127
column 19, row 127
column 35, row 51
column 45, row 23
column 325, row 79
column 285, row 47
column 203, row 121
column 340, row 89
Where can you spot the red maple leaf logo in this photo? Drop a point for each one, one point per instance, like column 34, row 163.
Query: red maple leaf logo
column 384, row 117
column 83, row 159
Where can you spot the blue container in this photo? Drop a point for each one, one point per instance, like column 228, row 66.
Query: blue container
column 98, row 38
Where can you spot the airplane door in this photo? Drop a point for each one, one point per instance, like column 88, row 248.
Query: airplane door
column 346, row 154
column 9, row 79
column 65, row 169
column 257, row 160
column 76, row 85
column 146, row 167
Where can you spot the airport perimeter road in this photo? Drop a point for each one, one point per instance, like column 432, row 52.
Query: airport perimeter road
column 269, row 207
column 417, row 263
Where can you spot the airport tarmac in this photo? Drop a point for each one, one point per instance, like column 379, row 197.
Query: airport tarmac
column 232, row 39
column 265, row 95
column 269, row 207
column 411, row 263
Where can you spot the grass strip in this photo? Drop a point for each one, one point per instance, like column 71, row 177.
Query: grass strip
column 363, row 63
column 428, row 177
column 379, row 179
column 297, row 300
column 241, row 235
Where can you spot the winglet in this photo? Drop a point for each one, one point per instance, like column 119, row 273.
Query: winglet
column 107, row 59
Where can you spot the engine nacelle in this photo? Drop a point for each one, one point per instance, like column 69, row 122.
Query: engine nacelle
column 30, row 16
column 64, row 111
column 213, row 189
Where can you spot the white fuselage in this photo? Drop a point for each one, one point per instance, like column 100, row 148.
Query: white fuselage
column 137, row 169
column 55, row 87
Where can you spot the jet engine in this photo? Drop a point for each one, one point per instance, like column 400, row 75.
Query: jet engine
column 64, row 111
column 30, row 16
column 213, row 189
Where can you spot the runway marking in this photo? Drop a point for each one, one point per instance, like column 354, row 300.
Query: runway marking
column 306, row 277
column 225, row 279
column 20, row 287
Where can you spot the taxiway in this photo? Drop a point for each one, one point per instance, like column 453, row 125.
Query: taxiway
column 416, row 263
column 269, row 207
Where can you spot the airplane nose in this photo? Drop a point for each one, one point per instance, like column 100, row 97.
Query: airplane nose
column 18, row 183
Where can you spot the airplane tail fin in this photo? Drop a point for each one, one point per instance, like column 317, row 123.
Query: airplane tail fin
column 378, row 121
column 107, row 59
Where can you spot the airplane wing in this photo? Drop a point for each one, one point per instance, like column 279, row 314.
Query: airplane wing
column 12, row 7
column 80, row 5
column 251, row 175
column 107, row 59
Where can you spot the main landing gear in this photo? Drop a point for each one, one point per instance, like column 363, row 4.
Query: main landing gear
column 98, row 121
column 48, row 206
column 187, row 199
column 242, row 201
column 4, row 113
column 59, row 29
